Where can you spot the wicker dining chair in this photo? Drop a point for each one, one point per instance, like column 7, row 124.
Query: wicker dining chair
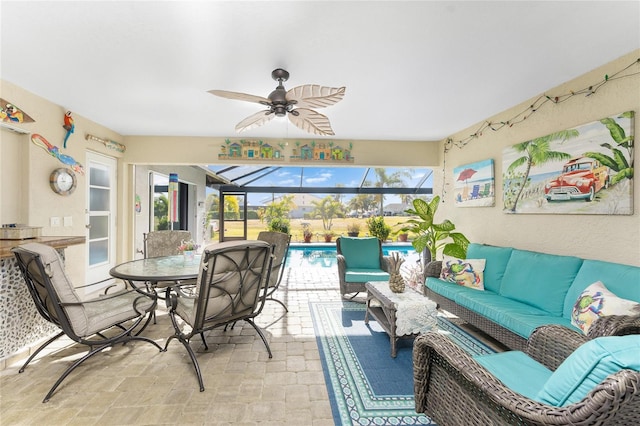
column 98, row 323
column 280, row 242
column 164, row 243
column 231, row 287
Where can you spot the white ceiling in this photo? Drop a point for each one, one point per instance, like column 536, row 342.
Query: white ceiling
column 415, row 70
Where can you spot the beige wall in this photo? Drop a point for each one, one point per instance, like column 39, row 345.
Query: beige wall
column 26, row 195
column 611, row 238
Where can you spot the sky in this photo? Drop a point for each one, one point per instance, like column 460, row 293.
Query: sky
column 320, row 177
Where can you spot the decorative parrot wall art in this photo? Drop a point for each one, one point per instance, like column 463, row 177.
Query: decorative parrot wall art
column 10, row 113
column 68, row 126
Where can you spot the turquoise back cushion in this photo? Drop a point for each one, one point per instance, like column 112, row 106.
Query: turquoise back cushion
column 621, row 280
column 517, row 371
column 539, row 279
column 361, row 252
column 497, row 259
column 588, row 366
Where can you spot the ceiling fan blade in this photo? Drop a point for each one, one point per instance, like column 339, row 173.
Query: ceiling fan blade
column 311, row 121
column 240, row 96
column 315, row 96
column 254, row 120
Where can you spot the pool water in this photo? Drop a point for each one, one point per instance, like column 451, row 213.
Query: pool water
column 324, row 256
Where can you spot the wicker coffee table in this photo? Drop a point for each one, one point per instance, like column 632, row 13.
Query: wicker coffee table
column 401, row 315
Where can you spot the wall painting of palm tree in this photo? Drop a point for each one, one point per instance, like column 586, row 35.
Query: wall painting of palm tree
column 474, row 184
column 584, row 170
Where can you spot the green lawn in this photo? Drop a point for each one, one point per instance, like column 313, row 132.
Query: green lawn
column 339, row 227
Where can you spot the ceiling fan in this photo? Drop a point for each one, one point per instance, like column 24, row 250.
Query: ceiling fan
column 295, row 103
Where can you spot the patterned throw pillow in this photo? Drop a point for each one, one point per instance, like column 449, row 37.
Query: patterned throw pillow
column 464, row 272
column 597, row 301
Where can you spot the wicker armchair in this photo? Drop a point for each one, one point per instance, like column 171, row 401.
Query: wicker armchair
column 453, row 389
column 354, row 274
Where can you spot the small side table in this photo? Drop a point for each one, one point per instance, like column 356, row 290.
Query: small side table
column 416, row 312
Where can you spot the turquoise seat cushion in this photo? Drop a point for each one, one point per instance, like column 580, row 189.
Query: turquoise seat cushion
column 496, row 263
column 621, row 280
column 486, row 303
column 523, row 324
column 362, row 275
column 588, row 366
column 446, row 288
column 539, row 279
column 516, row 316
column 517, row 371
column 361, row 252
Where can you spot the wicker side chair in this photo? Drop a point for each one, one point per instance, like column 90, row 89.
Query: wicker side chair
column 280, row 242
column 98, row 323
column 164, row 243
column 452, row 388
column 231, row 286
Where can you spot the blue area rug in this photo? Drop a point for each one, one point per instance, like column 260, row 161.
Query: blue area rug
column 366, row 386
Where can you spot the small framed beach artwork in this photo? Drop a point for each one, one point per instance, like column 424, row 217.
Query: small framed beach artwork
column 474, row 184
column 586, row 169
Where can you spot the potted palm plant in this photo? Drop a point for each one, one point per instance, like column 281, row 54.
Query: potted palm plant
column 430, row 237
column 307, row 234
column 353, row 229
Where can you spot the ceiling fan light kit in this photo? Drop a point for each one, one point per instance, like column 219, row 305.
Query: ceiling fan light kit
column 296, row 104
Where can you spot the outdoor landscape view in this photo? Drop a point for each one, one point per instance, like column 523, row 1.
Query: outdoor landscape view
column 315, row 217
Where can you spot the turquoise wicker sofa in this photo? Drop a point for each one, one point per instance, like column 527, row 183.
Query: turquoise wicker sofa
column 524, row 290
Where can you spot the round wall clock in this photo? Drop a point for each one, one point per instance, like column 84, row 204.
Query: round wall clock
column 63, row 181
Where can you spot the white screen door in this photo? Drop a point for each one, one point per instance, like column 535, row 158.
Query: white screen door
column 101, row 208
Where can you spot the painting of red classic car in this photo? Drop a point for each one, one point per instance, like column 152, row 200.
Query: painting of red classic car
column 581, row 179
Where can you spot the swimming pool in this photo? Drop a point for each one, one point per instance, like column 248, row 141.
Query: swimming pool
column 324, row 255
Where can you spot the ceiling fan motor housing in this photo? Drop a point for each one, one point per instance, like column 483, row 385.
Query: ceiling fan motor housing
column 279, row 103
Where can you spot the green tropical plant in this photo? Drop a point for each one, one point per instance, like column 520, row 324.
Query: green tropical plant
column 618, row 162
column 378, row 228
column 276, row 214
column 433, row 236
column 361, row 202
column 279, row 225
column 161, row 213
column 537, row 152
column 327, row 209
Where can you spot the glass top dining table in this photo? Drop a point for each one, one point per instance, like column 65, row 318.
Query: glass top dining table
column 157, row 269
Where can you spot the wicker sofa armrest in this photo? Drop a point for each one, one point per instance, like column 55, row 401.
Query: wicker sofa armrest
column 342, row 266
column 615, row 325
column 433, row 269
column 552, row 344
column 453, row 389
column 384, row 263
